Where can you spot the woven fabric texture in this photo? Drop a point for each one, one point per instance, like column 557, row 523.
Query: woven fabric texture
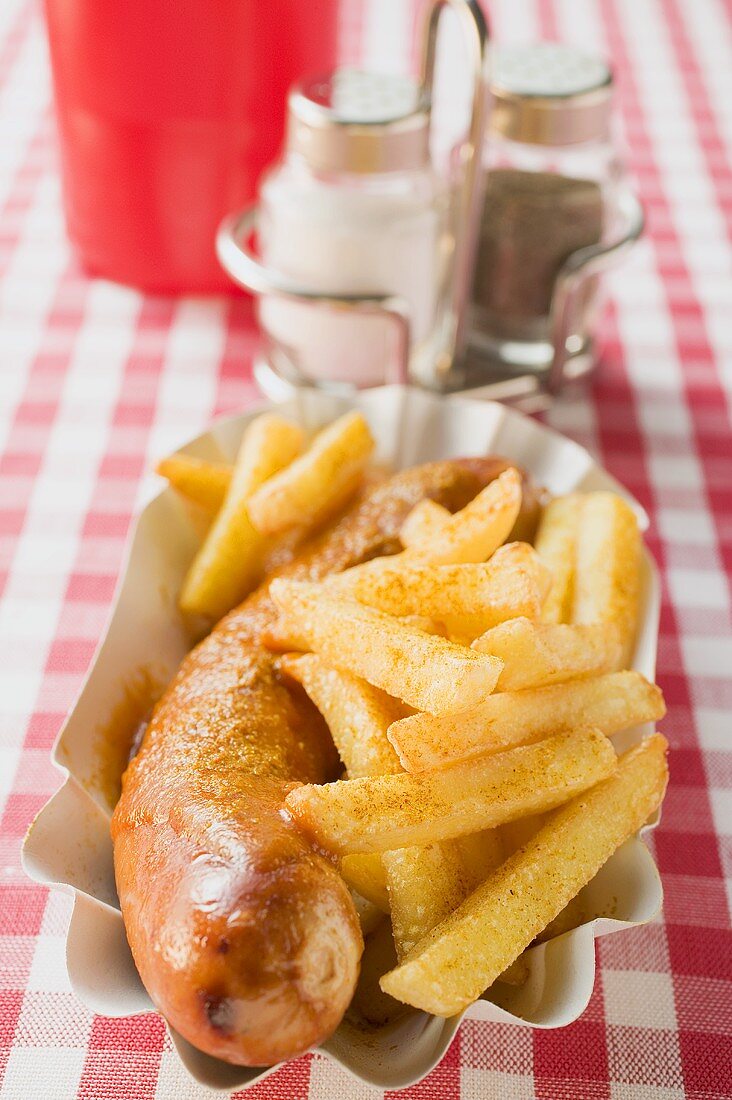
column 97, row 381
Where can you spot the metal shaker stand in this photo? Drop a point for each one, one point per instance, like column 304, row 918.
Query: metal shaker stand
column 462, row 366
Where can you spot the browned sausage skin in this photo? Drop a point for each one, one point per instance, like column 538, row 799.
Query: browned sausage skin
column 246, row 939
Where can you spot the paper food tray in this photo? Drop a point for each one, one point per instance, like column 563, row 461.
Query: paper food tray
column 69, row 847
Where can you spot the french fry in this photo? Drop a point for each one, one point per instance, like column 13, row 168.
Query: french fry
column 425, row 623
column 607, row 571
column 229, row 562
column 318, row 482
column 572, row 916
column 514, row 834
column 467, row 598
column 465, row 954
column 555, row 543
column 425, row 884
column 516, row 973
column 471, row 535
column 611, row 702
column 475, row 532
column 419, row 885
column 200, row 518
column 364, row 872
column 205, row 483
column 396, row 811
column 424, row 524
column 426, row 520
column 536, row 654
column 282, row 637
column 357, row 714
column 425, row 671
column 480, row 853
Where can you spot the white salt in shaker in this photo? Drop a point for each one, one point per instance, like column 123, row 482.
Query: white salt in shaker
column 355, row 207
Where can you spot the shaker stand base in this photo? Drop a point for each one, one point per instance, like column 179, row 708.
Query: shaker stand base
column 277, row 388
column 479, row 378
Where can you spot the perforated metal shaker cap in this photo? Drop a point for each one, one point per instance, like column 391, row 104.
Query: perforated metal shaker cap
column 353, row 121
column 547, row 93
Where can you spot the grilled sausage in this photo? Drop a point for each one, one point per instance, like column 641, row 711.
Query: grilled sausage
column 246, row 939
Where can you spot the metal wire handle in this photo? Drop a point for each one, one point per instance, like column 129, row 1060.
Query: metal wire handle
column 476, row 36
column 579, row 267
column 247, row 271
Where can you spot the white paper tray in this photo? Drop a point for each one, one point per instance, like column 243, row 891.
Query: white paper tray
column 69, row 848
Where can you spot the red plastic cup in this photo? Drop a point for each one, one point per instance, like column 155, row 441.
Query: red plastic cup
column 168, row 111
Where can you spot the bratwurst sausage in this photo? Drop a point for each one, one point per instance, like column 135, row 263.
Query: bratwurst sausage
column 245, row 938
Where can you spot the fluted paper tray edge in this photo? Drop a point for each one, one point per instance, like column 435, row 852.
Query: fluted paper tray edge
column 68, row 846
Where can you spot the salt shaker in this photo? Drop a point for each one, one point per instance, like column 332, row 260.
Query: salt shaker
column 354, row 203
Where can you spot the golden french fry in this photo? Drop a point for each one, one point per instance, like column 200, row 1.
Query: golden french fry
column 205, row 483
column 480, row 853
column 395, row 811
column 425, row 884
column 199, row 517
column 611, row 702
column 607, row 571
column 425, row 671
column 516, row 973
column 572, row 916
column 471, row 535
column 426, row 520
column 229, row 562
column 555, row 542
column 423, row 524
column 535, row 654
column 316, row 483
column 358, row 714
column 467, row 598
column 282, row 637
column 514, row 834
column 364, row 872
column 478, row 529
column 425, row 623
column 465, row 954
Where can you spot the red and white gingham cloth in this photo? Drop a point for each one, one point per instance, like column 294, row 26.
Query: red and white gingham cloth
column 96, row 381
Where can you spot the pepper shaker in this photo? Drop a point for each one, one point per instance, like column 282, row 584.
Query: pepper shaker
column 556, row 207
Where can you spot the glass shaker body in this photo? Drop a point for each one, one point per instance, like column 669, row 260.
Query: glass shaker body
column 356, row 233
column 540, row 204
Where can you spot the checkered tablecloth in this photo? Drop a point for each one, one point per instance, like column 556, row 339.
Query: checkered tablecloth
column 97, row 381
